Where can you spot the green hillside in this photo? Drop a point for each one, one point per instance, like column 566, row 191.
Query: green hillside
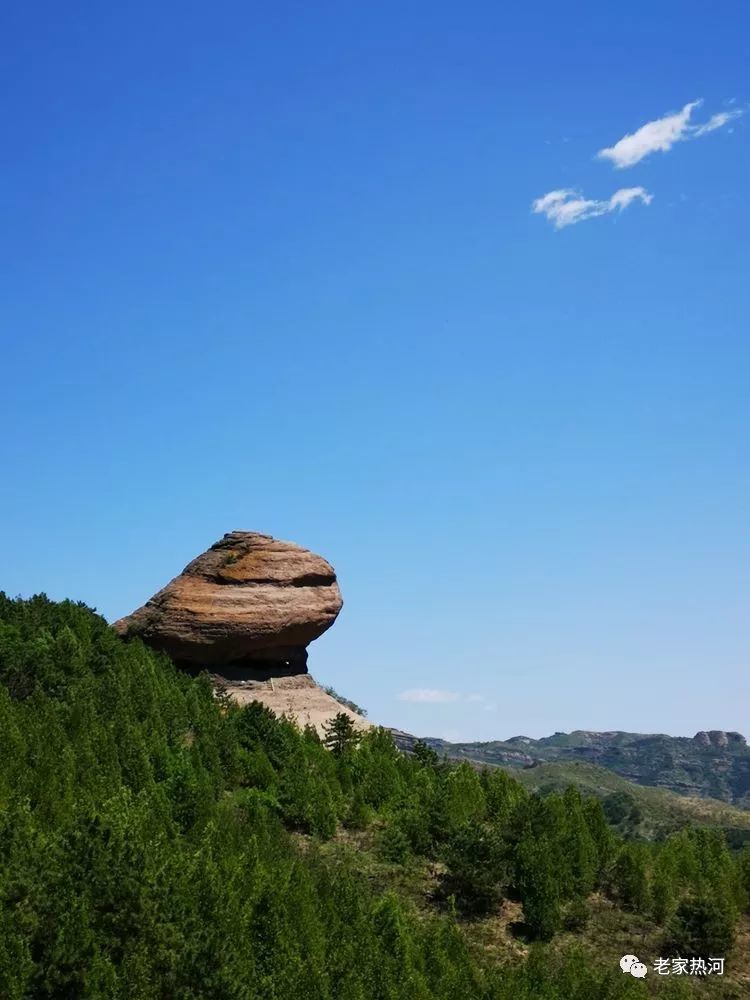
column 636, row 810
column 661, row 811
column 710, row 764
column 158, row 842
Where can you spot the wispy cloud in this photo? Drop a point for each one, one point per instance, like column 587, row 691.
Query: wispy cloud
column 433, row 697
column 660, row 135
column 566, row 207
column 716, row 121
column 430, row 695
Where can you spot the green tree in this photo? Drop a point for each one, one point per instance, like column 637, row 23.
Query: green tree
column 538, row 887
column 621, row 809
column 630, row 877
column 395, row 845
column 425, row 754
column 460, row 800
column 503, row 795
column 341, row 734
column 378, row 768
column 743, row 875
column 477, row 864
column 601, row 836
column 663, row 888
column 702, row 928
column 359, row 815
column 578, row 844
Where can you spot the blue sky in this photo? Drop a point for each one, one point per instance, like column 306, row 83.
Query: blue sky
column 276, row 267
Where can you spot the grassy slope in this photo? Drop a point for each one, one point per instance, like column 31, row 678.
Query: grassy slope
column 611, row 932
column 663, row 810
column 678, row 764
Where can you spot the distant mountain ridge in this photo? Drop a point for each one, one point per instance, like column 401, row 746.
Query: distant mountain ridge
column 712, row 763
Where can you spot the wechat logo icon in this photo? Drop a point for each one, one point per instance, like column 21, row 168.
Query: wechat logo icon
column 630, row 963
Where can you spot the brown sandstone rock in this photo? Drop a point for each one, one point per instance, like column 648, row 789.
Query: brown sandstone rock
column 250, row 601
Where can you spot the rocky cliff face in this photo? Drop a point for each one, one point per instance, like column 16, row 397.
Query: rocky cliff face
column 718, row 738
column 250, row 605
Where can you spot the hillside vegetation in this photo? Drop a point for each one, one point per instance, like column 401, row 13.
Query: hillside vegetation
column 159, row 842
column 713, row 765
column 637, row 809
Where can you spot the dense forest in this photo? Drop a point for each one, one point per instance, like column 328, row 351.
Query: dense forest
column 159, row 841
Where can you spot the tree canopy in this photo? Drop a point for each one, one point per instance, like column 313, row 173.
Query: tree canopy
column 159, row 841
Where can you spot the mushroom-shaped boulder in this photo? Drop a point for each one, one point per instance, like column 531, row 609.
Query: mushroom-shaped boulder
column 249, row 601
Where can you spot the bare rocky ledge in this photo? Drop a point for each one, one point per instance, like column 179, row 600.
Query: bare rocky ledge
column 297, row 697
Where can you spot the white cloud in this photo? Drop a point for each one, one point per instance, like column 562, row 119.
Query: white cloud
column 660, row 135
column 716, row 121
column 432, row 696
column 566, row 207
column 428, row 695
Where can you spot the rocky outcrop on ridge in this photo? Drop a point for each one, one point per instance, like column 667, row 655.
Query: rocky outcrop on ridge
column 718, row 738
column 248, row 606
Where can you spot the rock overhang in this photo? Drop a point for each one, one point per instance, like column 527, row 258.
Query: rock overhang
column 250, row 599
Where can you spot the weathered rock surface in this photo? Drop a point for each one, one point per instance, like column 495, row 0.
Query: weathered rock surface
column 298, row 698
column 251, row 602
column 718, row 738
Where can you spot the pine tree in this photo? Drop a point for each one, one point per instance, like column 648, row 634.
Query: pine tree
column 663, row 894
column 578, row 845
column 601, row 836
column 426, row 756
column 341, row 734
column 630, row 878
column 538, row 887
column 503, row 794
column 702, row 927
column 477, row 867
column 400, row 972
column 394, row 842
column 378, row 768
column 460, row 801
column 359, row 815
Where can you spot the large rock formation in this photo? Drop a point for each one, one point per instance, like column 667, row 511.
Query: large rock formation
column 246, row 608
column 718, row 738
